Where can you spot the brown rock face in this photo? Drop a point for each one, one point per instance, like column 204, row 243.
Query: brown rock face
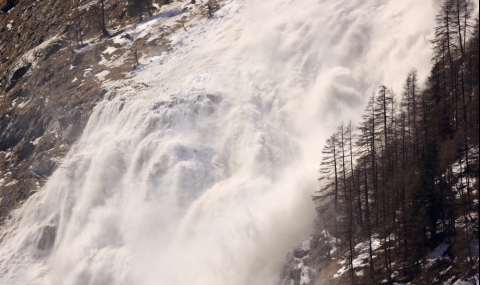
column 7, row 5
column 43, row 110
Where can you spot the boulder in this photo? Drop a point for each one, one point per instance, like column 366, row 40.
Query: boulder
column 47, row 237
column 19, row 73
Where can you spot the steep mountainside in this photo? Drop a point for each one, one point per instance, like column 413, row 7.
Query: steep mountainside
column 49, row 82
column 182, row 147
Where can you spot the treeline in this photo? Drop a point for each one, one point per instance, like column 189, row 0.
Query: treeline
column 394, row 174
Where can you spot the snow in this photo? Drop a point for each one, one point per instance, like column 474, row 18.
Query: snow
column 109, row 50
column 304, row 277
column 200, row 169
column 305, row 245
column 121, row 39
column 151, row 29
column 104, row 61
column 362, row 256
column 23, row 104
column 362, row 249
column 154, row 58
column 458, row 167
column 340, row 272
column 331, row 241
column 101, row 75
column 31, row 55
column 87, row 72
column 439, row 251
column 11, row 183
column 467, row 281
column 443, row 272
column 2, row 180
column 34, row 142
column 449, row 281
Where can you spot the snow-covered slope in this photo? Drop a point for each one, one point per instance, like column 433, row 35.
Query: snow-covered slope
column 198, row 169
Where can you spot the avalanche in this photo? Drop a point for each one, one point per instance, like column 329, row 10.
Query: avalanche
column 198, row 168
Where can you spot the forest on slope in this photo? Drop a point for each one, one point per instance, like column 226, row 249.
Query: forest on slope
column 408, row 173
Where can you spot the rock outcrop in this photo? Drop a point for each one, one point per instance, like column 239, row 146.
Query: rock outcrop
column 43, row 107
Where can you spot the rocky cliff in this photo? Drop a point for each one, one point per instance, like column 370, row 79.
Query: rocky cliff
column 49, row 83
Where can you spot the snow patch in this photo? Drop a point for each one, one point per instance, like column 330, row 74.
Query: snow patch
column 304, row 271
column 305, row 245
column 468, row 281
column 362, row 250
column 101, row 75
column 11, row 183
column 340, row 272
column 109, row 50
column 439, row 251
column 443, row 272
column 23, row 104
column 34, row 142
column 87, row 72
